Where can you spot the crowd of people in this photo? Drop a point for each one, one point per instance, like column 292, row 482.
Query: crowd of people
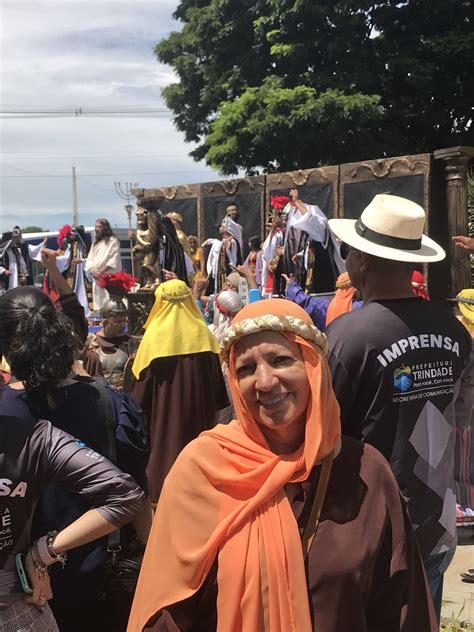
column 284, row 449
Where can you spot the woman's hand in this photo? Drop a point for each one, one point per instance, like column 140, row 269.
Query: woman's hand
column 200, row 286
column 294, row 195
column 247, row 274
column 48, row 258
column 42, row 592
column 169, row 274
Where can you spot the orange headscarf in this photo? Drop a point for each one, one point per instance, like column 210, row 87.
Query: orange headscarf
column 342, row 302
column 225, row 497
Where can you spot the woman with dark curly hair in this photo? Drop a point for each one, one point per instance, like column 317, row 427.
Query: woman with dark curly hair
column 37, row 340
column 39, row 344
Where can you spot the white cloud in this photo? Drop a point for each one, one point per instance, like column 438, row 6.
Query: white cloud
column 79, row 54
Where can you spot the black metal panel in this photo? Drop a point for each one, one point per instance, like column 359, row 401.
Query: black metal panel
column 186, row 207
column 248, row 206
column 316, row 194
column 358, row 195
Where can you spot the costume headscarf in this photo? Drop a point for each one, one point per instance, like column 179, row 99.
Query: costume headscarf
column 225, row 498
column 234, row 278
column 342, row 302
column 419, row 285
column 233, row 229
column 174, row 327
column 465, row 300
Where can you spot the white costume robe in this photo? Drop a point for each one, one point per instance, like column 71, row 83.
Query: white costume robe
column 272, row 241
column 315, row 224
column 104, row 256
column 14, row 278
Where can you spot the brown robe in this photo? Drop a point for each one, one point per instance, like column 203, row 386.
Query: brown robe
column 180, row 396
column 364, row 569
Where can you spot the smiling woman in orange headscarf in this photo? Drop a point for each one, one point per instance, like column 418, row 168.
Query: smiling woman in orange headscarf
column 235, row 523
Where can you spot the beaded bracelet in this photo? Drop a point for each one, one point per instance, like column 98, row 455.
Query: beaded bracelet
column 40, row 570
column 46, row 552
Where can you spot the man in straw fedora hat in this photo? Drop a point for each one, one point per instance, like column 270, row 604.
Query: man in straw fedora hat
column 397, row 365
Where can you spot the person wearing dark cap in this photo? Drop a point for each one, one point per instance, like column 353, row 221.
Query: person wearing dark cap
column 225, row 253
column 15, row 259
column 397, row 367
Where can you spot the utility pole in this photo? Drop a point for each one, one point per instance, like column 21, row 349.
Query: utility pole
column 75, row 217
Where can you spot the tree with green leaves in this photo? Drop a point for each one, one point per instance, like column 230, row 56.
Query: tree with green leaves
column 266, row 85
column 34, row 229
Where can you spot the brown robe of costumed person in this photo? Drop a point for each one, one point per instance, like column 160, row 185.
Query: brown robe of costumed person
column 178, row 378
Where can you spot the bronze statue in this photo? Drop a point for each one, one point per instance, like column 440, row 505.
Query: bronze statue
column 149, row 243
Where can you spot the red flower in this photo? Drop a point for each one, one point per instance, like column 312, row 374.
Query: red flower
column 279, row 202
column 64, row 233
column 119, row 280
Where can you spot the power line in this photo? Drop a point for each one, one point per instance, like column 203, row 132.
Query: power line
column 94, row 156
column 68, row 109
column 80, row 112
column 57, row 116
column 102, row 175
column 93, row 184
column 38, row 173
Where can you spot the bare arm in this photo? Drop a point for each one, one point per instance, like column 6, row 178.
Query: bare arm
column 466, row 243
column 202, row 262
column 199, row 288
column 297, row 202
column 245, row 272
column 73, row 465
column 48, row 259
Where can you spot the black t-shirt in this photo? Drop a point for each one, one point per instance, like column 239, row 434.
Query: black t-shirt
column 34, row 454
column 396, row 367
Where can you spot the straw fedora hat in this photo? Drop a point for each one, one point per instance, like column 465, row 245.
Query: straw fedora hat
column 391, row 227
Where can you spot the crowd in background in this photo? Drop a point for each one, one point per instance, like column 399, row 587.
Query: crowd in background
column 276, row 410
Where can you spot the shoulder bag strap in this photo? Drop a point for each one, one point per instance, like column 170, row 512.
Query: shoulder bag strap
column 106, row 415
column 107, row 418
column 313, row 520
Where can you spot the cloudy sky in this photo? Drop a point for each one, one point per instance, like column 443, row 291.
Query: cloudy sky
column 77, row 53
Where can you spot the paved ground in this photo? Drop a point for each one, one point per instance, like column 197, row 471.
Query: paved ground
column 458, row 596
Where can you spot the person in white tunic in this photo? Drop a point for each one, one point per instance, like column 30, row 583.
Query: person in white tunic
column 225, row 253
column 103, row 257
column 15, row 259
column 308, row 235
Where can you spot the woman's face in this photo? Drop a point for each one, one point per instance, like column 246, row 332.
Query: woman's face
column 272, row 378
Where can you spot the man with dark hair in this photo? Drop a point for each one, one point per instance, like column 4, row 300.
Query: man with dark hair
column 398, row 366
column 103, row 257
column 15, row 259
